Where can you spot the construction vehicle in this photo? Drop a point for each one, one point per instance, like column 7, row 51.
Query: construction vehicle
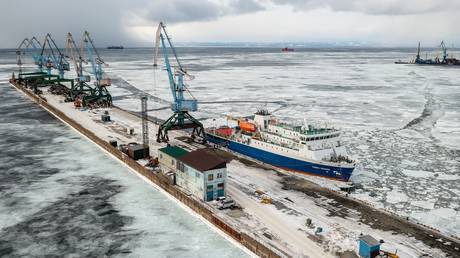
column 265, row 199
column 99, row 96
column 181, row 119
column 385, row 254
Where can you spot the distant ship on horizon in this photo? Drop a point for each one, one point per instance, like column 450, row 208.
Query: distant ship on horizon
column 286, row 49
column 444, row 60
column 115, row 47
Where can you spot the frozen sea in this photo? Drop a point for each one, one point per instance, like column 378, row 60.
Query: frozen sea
column 401, row 122
column 61, row 196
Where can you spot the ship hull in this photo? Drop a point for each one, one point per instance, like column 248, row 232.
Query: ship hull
column 287, row 163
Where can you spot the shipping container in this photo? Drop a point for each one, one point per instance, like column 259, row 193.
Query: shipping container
column 138, row 151
column 105, row 118
column 113, row 143
column 224, row 131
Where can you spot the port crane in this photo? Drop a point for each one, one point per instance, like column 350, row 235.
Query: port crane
column 181, row 119
column 32, row 47
column 24, row 48
column 100, row 94
column 74, row 54
column 444, row 52
column 53, row 58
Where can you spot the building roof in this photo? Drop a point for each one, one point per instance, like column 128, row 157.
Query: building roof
column 370, row 241
column 203, row 160
column 174, row 151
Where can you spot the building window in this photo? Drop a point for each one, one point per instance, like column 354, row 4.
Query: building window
column 210, row 177
column 220, row 185
column 172, row 162
column 197, row 174
column 209, row 187
column 219, row 175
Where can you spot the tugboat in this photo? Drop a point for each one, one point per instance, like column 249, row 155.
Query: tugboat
column 298, row 148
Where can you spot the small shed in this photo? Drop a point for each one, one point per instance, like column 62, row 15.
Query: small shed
column 369, row 247
column 138, row 151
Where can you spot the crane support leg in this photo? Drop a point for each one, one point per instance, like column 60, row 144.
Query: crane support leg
column 179, row 121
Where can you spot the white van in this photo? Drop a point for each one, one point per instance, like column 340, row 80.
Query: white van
column 225, row 204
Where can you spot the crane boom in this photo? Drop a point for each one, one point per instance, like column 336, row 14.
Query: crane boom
column 181, row 119
column 98, row 95
column 19, row 52
column 73, row 52
column 176, row 78
column 93, row 57
column 54, row 59
column 444, row 52
column 25, row 48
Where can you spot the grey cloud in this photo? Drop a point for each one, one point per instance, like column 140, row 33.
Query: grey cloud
column 375, row 7
column 105, row 19
column 246, row 6
column 175, row 11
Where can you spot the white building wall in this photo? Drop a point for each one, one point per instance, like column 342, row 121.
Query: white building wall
column 216, row 181
column 197, row 182
column 167, row 162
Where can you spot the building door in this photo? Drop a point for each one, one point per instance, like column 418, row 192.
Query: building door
column 220, row 189
column 220, row 192
column 209, row 195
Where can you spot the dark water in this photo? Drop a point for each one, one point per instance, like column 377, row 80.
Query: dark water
column 63, row 197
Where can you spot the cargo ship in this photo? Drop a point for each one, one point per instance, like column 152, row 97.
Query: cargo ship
column 299, row 148
column 115, row 47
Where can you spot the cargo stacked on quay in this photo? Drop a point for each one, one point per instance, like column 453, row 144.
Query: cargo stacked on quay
column 305, row 149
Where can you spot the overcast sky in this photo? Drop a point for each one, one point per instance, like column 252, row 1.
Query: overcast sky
column 133, row 22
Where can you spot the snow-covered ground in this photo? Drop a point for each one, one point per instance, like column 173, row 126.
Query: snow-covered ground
column 340, row 233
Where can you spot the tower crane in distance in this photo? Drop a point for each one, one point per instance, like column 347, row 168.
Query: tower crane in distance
column 444, row 52
column 181, row 119
column 24, row 48
column 54, row 58
column 31, row 47
column 100, row 96
column 51, row 58
column 81, row 86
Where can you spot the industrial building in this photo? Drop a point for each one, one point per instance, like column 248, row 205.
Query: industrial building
column 201, row 172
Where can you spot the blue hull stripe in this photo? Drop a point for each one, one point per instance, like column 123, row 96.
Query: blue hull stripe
column 284, row 162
